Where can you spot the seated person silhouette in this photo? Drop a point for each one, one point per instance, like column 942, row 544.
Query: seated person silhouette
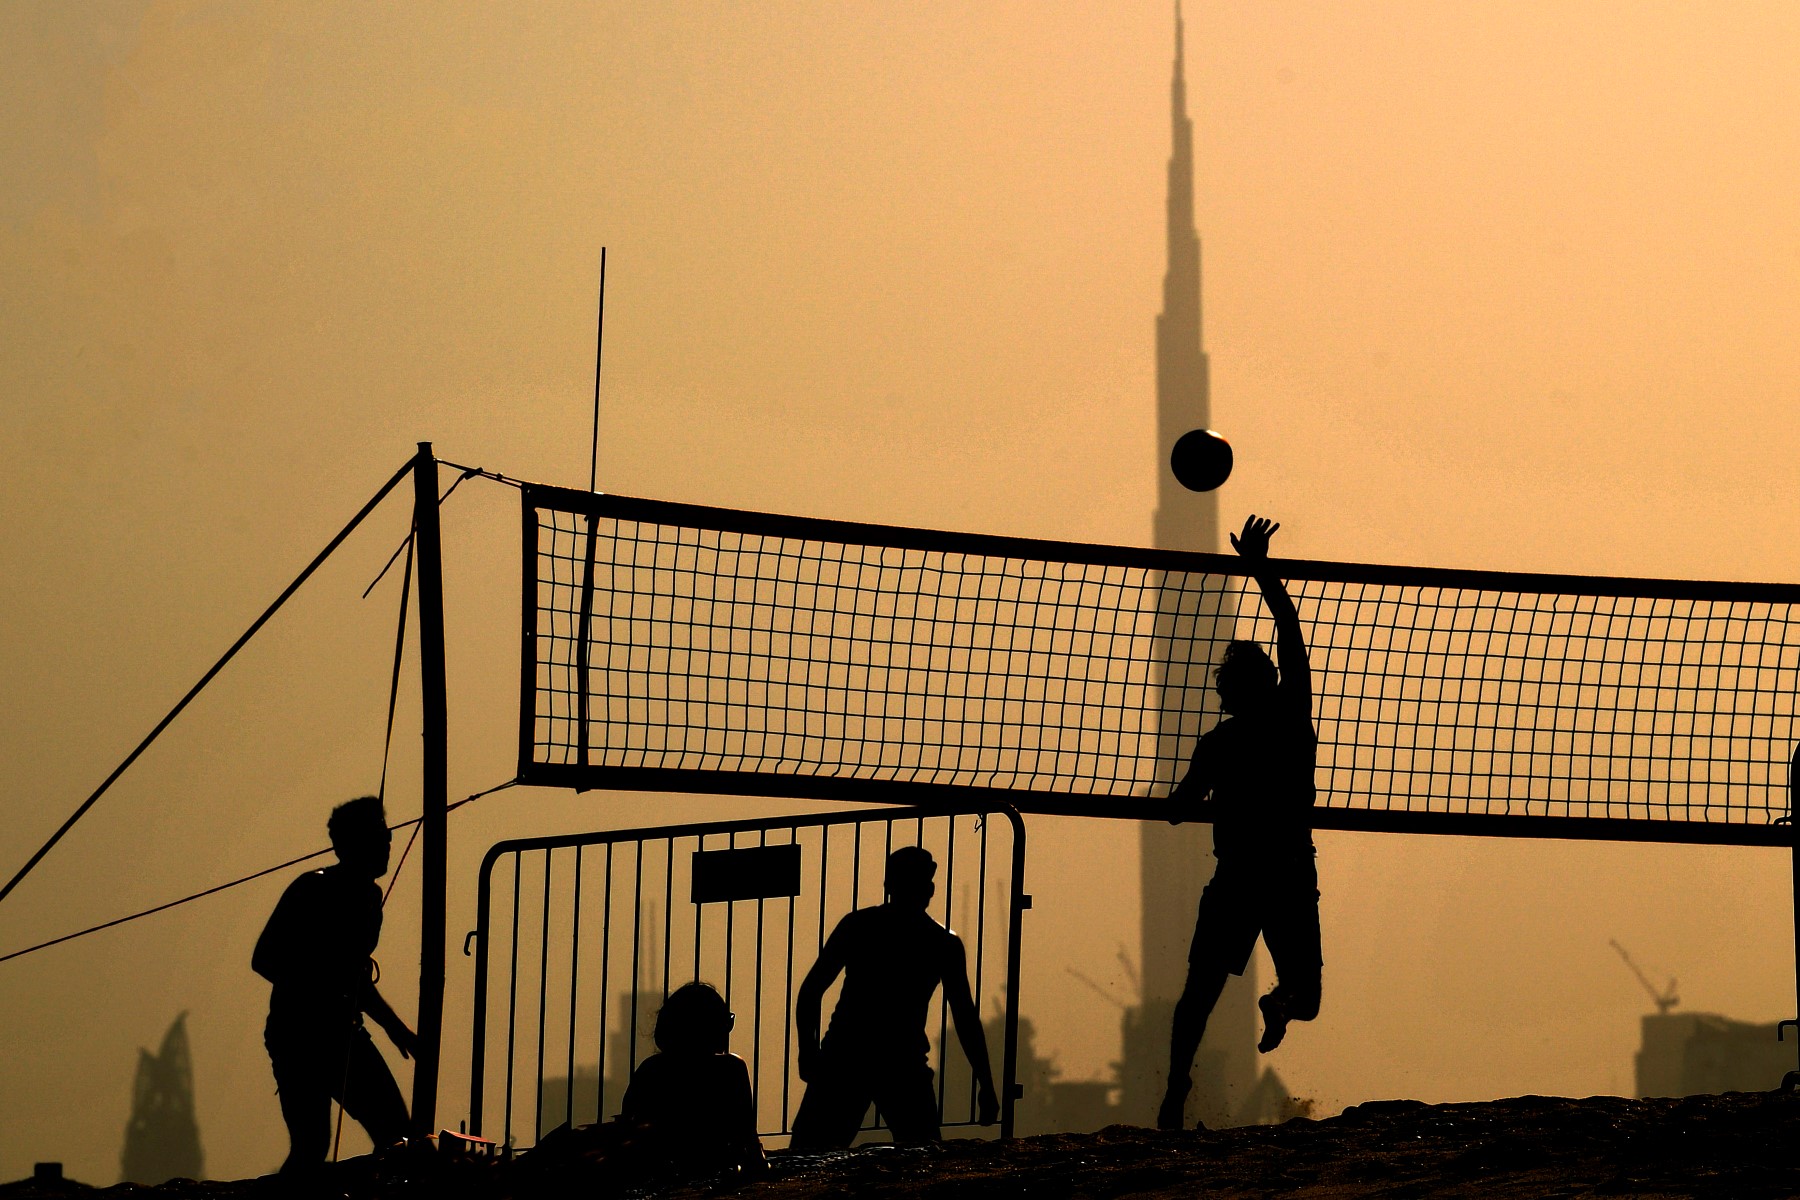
column 692, row 1098
column 1257, row 764
column 892, row 958
column 316, row 952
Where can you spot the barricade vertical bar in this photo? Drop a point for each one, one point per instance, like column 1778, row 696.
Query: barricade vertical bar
column 855, row 875
column 943, row 1080
column 434, row 788
column 478, row 1046
column 855, row 878
column 637, row 944
column 512, row 1000
column 787, row 1003
column 981, row 913
column 574, row 986
column 1015, row 923
column 824, row 879
column 762, row 839
column 699, row 912
column 1794, row 873
column 730, row 929
column 605, row 979
column 537, row 1085
column 668, row 911
column 888, row 848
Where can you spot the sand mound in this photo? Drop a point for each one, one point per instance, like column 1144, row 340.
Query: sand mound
column 1741, row 1146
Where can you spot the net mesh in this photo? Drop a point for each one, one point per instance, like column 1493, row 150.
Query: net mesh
column 798, row 653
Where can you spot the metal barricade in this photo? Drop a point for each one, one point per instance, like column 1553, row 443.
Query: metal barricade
column 581, row 937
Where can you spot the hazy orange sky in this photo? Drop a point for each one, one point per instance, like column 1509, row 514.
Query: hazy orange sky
column 1488, row 284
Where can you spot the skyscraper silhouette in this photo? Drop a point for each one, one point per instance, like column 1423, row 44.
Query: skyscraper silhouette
column 162, row 1139
column 1176, row 860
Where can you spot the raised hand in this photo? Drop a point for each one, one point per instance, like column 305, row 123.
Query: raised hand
column 1253, row 542
column 405, row 1040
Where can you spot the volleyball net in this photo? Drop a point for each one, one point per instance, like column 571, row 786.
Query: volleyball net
column 681, row 648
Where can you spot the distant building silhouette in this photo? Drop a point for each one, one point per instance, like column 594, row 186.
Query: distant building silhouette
column 1046, row 1103
column 162, row 1138
column 628, row 1042
column 597, row 1098
column 1698, row 1054
column 1177, row 860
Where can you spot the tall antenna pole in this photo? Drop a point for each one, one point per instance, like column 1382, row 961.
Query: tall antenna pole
column 599, row 344
column 429, row 564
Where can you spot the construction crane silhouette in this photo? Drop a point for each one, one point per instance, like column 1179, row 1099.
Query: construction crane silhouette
column 1665, row 999
column 1105, row 993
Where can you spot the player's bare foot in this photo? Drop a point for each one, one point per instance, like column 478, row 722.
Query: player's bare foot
column 1275, row 1023
column 1174, row 1105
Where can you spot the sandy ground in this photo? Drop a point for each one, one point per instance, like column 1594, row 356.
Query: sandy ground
column 1740, row 1146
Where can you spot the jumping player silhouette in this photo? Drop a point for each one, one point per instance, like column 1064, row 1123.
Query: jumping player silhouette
column 892, row 958
column 1257, row 764
column 316, row 952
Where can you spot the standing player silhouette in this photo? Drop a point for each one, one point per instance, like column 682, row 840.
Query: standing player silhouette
column 1257, row 764
column 892, row 958
column 316, row 952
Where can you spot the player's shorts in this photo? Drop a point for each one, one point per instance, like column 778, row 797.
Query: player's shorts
column 838, row 1097
column 1277, row 900
column 316, row 1064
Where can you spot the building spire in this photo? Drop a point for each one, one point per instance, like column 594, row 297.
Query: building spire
column 1187, row 623
column 1180, row 37
column 1182, row 385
